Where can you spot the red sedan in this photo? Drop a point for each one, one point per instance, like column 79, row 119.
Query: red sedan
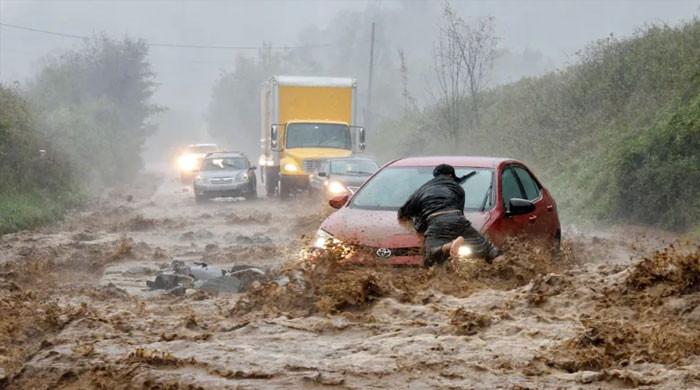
column 503, row 199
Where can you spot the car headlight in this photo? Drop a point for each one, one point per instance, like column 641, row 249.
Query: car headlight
column 291, row 167
column 464, row 251
column 187, row 162
column 336, row 188
column 243, row 176
column 264, row 162
column 198, row 178
column 323, row 238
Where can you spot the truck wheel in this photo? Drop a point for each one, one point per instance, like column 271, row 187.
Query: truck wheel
column 270, row 184
column 284, row 189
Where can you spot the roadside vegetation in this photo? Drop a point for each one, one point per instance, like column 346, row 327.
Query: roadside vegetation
column 35, row 187
column 616, row 135
column 76, row 127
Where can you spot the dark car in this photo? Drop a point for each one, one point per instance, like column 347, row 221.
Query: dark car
column 225, row 174
column 503, row 199
column 340, row 176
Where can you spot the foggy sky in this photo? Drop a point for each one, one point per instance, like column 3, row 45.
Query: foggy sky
column 556, row 29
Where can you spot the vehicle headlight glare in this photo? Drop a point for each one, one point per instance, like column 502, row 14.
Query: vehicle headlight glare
column 464, row 251
column 322, row 239
column 291, row 167
column 336, row 188
column 187, row 162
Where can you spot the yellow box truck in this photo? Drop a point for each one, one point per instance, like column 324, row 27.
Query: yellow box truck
column 305, row 120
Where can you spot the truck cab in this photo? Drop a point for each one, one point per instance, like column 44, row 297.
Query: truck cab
column 305, row 121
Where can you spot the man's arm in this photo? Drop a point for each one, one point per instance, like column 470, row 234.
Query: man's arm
column 411, row 208
column 461, row 197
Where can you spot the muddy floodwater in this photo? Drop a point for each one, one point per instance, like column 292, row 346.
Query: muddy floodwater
column 619, row 308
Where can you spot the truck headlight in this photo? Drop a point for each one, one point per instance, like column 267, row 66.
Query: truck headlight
column 336, row 188
column 291, row 167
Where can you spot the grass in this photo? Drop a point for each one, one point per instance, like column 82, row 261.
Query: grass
column 19, row 211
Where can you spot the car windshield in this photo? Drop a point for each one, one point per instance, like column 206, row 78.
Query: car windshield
column 318, row 135
column 223, row 163
column 202, row 148
column 353, row 167
column 391, row 187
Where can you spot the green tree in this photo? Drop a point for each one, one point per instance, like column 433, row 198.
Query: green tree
column 95, row 104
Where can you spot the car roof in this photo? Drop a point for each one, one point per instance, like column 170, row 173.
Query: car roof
column 201, row 145
column 456, row 161
column 225, row 154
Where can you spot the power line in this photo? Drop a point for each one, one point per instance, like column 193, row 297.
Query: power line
column 171, row 45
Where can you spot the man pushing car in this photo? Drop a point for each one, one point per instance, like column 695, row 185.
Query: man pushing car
column 437, row 211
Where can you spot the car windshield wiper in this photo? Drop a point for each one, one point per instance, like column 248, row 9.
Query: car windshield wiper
column 466, row 177
column 486, row 197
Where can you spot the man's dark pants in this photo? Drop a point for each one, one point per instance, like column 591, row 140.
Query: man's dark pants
column 445, row 228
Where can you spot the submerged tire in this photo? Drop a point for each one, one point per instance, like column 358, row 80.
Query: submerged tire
column 271, row 179
column 253, row 194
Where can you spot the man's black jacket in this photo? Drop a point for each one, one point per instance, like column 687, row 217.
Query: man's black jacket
column 440, row 193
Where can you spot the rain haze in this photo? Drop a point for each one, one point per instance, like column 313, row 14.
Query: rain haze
column 542, row 35
column 349, row 194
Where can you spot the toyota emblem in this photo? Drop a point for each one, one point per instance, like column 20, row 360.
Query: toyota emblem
column 384, row 253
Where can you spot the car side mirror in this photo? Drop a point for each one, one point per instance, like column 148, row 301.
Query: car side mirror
column 338, row 201
column 273, row 136
column 322, row 174
column 517, row 206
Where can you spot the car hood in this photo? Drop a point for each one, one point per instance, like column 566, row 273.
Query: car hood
column 221, row 173
column 380, row 228
column 301, row 154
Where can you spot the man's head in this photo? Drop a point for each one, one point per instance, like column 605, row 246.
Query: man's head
column 444, row 169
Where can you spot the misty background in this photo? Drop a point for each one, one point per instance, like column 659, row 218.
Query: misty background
column 533, row 38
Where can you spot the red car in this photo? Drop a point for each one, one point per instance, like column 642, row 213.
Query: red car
column 503, row 199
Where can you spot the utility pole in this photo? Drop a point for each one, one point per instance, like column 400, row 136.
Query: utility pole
column 368, row 110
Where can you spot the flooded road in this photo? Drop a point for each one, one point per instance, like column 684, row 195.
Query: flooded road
column 612, row 313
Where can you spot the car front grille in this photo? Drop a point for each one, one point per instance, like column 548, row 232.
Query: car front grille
column 221, row 180
column 312, row 166
column 393, row 252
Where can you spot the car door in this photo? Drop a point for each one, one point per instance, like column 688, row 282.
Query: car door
column 544, row 225
column 511, row 187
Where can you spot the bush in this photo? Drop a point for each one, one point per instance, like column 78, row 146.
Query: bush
column 615, row 136
column 34, row 187
column 658, row 174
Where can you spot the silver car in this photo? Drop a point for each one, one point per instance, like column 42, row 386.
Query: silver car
column 225, row 174
column 339, row 176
